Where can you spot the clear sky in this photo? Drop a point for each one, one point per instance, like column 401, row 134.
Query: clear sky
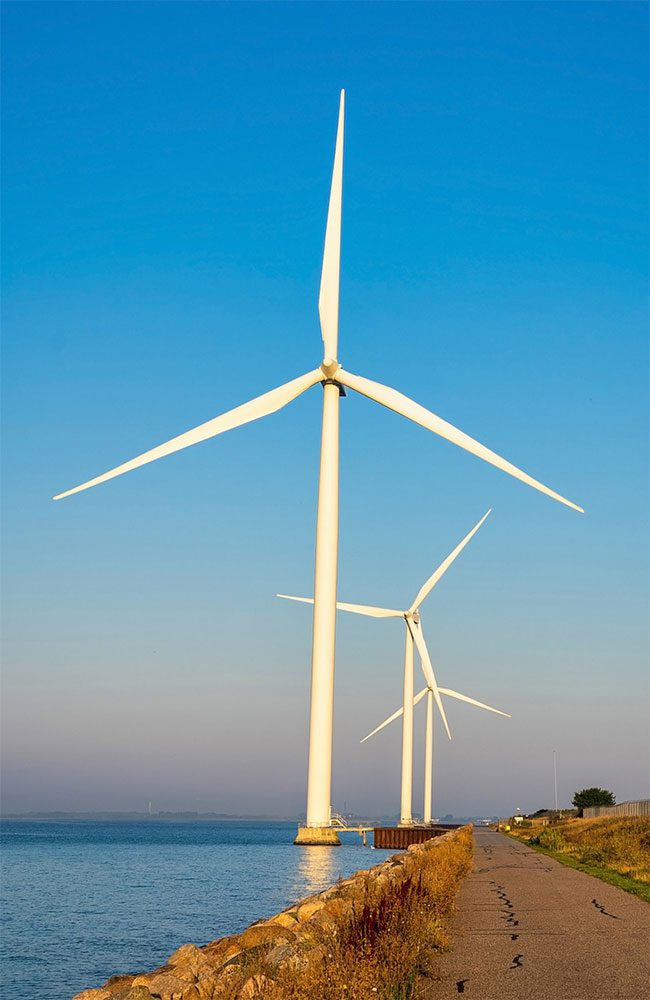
column 166, row 174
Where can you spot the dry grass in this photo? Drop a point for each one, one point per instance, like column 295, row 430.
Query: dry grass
column 619, row 843
column 389, row 937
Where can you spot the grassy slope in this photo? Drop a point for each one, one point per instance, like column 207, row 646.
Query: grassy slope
column 615, row 849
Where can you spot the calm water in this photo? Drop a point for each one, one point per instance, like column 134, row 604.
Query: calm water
column 83, row 900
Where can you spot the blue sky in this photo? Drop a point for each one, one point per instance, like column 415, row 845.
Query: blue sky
column 166, row 171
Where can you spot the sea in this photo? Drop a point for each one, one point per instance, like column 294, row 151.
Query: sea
column 82, row 900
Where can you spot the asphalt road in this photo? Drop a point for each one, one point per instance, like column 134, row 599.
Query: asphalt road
column 529, row 928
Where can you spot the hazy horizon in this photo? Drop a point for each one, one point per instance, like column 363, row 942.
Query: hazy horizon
column 166, row 174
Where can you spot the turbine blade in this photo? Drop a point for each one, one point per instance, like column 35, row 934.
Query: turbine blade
column 328, row 298
column 386, row 722
column 395, row 715
column 427, row 668
column 472, row 701
column 444, row 566
column 357, row 609
column 419, row 696
column 262, row 406
column 418, row 414
column 372, row 612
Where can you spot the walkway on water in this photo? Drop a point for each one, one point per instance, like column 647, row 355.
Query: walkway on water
column 529, row 928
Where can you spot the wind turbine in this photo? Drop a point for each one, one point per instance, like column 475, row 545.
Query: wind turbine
column 431, row 693
column 334, row 380
column 413, row 631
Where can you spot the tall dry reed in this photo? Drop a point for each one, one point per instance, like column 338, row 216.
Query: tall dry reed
column 378, row 946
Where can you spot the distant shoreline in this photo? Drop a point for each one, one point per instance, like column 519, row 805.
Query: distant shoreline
column 187, row 816
column 139, row 816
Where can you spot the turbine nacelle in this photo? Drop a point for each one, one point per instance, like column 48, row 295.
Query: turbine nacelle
column 329, row 367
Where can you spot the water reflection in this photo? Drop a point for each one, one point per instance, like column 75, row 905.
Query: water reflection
column 316, row 870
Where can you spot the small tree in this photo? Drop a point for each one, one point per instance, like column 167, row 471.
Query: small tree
column 593, row 797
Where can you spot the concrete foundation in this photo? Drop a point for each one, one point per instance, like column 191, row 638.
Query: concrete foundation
column 317, row 836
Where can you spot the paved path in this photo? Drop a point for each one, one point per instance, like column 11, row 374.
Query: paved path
column 529, row 928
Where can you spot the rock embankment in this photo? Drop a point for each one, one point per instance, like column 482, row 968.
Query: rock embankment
column 244, row 966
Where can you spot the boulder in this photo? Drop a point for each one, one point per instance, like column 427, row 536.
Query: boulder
column 191, row 958
column 168, row 984
column 289, row 918
column 116, row 983
column 267, row 933
column 253, row 987
column 232, row 957
column 307, row 910
column 335, row 908
column 282, row 954
column 133, row 993
column 217, row 986
column 184, row 955
column 217, row 952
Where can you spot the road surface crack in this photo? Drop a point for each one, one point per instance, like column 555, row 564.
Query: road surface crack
column 602, row 909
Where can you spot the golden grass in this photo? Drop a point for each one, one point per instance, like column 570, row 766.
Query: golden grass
column 389, row 936
column 620, row 843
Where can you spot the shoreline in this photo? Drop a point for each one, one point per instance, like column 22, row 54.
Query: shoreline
column 305, row 943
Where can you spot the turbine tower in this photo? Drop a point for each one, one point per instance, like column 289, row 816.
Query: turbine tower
column 334, row 380
column 432, row 692
column 411, row 618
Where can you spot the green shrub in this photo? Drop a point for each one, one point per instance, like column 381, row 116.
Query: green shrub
column 551, row 839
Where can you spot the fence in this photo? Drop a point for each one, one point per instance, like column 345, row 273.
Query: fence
column 639, row 808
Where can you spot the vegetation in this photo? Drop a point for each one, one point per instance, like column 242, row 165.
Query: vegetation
column 390, row 935
column 593, row 797
column 615, row 849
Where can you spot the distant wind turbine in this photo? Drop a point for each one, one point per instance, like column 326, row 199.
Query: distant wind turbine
column 428, row 740
column 334, row 380
column 413, row 631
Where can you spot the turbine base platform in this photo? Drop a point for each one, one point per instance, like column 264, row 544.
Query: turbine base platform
column 317, row 836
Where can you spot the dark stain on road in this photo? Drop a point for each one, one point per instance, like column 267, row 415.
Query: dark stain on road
column 460, row 985
column 602, row 909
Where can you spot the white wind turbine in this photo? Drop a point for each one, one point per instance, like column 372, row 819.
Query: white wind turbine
column 432, row 692
column 333, row 379
column 413, row 630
